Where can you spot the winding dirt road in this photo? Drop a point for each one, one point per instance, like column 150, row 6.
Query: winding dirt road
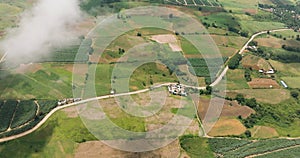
column 123, row 94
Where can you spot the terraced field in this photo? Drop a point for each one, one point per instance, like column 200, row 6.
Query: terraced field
column 246, row 148
column 209, row 3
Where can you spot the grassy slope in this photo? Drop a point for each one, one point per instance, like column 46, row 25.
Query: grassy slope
column 58, row 137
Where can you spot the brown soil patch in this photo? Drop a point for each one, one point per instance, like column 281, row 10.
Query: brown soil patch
column 263, row 132
column 270, row 42
column 28, row 68
column 251, row 11
column 81, row 69
column 225, row 127
column 168, row 38
column 254, row 62
column 97, row 149
column 71, row 112
column 263, row 83
column 230, row 109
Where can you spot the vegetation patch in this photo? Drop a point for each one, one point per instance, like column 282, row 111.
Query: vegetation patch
column 195, row 146
column 226, row 127
column 271, row 96
column 263, row 132
column 236, row 80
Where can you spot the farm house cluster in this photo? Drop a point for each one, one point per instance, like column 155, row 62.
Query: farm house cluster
column 271, row 71
column 177, row 89
column 68, row 101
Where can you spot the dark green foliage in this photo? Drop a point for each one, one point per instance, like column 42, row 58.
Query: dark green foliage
column 46, row 106
column 294, row 93
column 248, row 75
column 205, row 67
column 240, row 98
column 208, row 90
column 234, row 62
column 290, row 48
column 195, row 146
column 247, row 133
column 6, row 113
column 25, row 112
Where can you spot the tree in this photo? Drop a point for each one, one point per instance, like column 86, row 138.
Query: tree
column 247, row 133
column 240, row 98
column 251, row 103
column 294, row 93
column 208, row 90
column 234, row 61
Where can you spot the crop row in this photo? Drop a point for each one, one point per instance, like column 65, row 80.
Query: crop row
column 6, row 114
column 21, row 113
column 220, row 145
column 261, row 147
column 25, row 112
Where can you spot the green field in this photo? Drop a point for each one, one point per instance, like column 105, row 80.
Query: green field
column 24, row 115
column 25, row 111
column 6, row 113
column 58, row 137
column 195, row 146
column 292, row 82
column 49, row 81
column 274, row 96
column 236, row 80
column 292, row 152
column 239, row 6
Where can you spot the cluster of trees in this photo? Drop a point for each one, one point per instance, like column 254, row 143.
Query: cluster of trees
column 234, row 62
column 244, row 101
column 248, row 75
column 207, row 91
column 290, row 48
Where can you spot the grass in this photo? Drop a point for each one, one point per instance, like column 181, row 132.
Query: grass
column 252, row 26
column 52, row 81
column 292, row 82
column 150, row 73
column 288, row 34
column 122, row 119
column 196, row 146
column 58, row 137
column 255, row 62
column 236, row 79
column 263, row 132
column 286, row 69
column 240, row 6
column 271, row 96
